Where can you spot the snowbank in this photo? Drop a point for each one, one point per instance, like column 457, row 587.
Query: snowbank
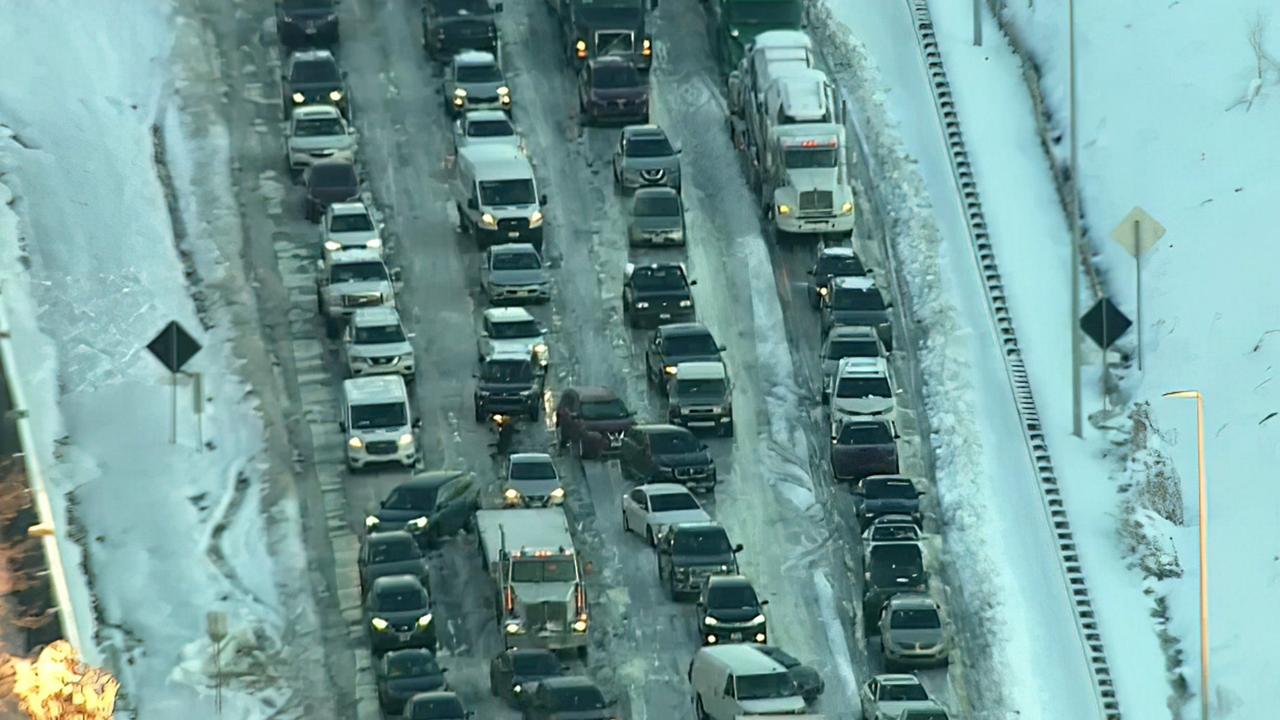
column 92, row 257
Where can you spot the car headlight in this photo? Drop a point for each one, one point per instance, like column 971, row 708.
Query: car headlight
column 535, row 219
column 580, row 46
column 371, row 522
column 540, row 349
column 757, row 619
column 405, row 440
column 418, row 523
column 724, row 568
column 489, row 221
column 512, row 628
column 332, row 245
column 669, row 369
column 557, row 495
column 504, row 90
column 784, row 209
column 459, row 92
column 379, row 624
column 580, row 626
column 846, row 208
column 733, row 32
column 642, row 305
column 686, row 303
column 373, row 243
column 708, row 620
column 355, row 443
column 823, row 291
column 517, row 689
column 425, row 620
column 299, row 98
column 760, row 637
column 512, row 495
column 335, row 95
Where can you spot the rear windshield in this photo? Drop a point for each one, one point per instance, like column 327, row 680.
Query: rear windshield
column 535, row 664
column 617, row 77
column 411, row 664
column 645, row 147
column 895, row 560
column 857, row 300
column 658, row 279
column 673, row 443
column 533, row 471
column 382, row 551
column 657, row 206
column 519, row 329
column 490, row 128
column 437, row 707
column 317, row 127
column 516, row 261
column 864, row 435
column 855, row 387
column 358, row 272
column 478, row 74
column 840, row 266
column 400, row 599
column 667, row 502
column 379, row 334
column 315, row 71
column 379, row 415
column 894, row 490
column 703, row 541
column 355, row 222
column 604, row 410
column 839, row 349
column 292, row 6
column 763, row 687
column 333, row 175
column 577, row 698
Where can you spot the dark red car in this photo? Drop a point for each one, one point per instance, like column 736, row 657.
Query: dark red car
column 591, row 420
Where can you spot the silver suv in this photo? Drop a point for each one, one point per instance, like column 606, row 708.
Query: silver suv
column 645, row 157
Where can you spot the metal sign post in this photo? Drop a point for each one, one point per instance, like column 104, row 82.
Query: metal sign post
column 1137, row 234
column 216, row 629
column 173, row 347
column 197, row 400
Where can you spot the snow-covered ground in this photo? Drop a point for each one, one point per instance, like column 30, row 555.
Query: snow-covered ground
column 95, row 263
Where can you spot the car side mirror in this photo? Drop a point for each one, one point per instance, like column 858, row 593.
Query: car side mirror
column 484, row 334
column 417, row 424
column 411, row 335
column 342, row 426
column 737, row 548
column 395, row 275
column 702, row 446
column 542, row 199
column 721, row 348
column 763, row 603
column 692, row 283
column 809, row 272
column 472, row 204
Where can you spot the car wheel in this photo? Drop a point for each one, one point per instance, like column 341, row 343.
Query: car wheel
column 698, row 709
column 626, row 526
column 578, row 450
column 479, row 414
column 648, row 536
column 727, row 430
column 535, row 411
column 330, row 327
column 671, row 589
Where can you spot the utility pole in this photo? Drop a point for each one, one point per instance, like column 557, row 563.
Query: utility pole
column 1075, row 226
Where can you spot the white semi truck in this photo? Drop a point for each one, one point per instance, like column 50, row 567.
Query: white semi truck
column 541, row 599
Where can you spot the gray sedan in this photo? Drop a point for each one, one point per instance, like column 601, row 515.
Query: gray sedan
column 644, row 157
column 514, row 273
column 657, row 217
column 390, row 553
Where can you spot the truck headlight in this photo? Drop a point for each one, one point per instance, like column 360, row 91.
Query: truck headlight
column 405, row 440
column 299, row 98
column 669, row 369
column 459, row 92
column 784, row 209
column 822, row 291
column 846, row 208
column 512, row 628
column 647, row 48
column 642, row 305
column 540, row 350
column 418, row 523
column 557, row 495
column 733, row 32
column 580, row 626
column 760, row 637
column 686, row 303
column 710, row 621
column 504, row 90
column 512, row 496
column 371, row 522
column 355, row 443
column 535, row 219
column 373, row 243
column 424, row 621
column 488, row 221
column 332, row 245
column 580, row 49
column 335, row 95
column 379, row 624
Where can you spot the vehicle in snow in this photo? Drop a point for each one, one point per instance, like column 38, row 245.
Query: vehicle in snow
column 845, row 341
column 807, row 680
column 891, row 568
column 348, row 280
column 645, row 157
column 657, row 293
column 317, row 133
column 891, row 528
column 879, row 495
column 306, row 23
column 375, row 343
column 832, row 261
column 399, row 613
column 735, row 24
column 700, row 396
column 656, row 217
column 676, row 343
column 858, row 301
column 435, row 504
column 496, row 196
column 513, row 273
column 515, row 672
column 611, row 89
column 592, row 420
column 887, row 696
column 604, row 29
column 509, row 384
column 667, row 453
column 865, row 447
column 437, row 705
column 328, row 182
column 511, row 330
column 451, row 26
column 862, row 388
column 691, row 552
column 394, row 552
column 532, row 481
column 474, row 80
column 568, row 697
column 653, row 508
column 401, row 674
column 377, row 423
column 312, row 77
column 485, row 127
column 730, row 681
column 350, row 226
column 730, row 611
column 530, row 555
column 912, row 632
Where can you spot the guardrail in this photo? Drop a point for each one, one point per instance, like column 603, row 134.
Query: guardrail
column 998, row 307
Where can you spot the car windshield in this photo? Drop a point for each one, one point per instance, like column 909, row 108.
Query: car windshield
column 658, row 279
column 377, row 334
column 893, row 561
column 617, row 77
column 647, row 147
column 516, row 261
column 687, row 345
column 863, row 387
column 540, row 664
column 508, row 371
column 702, row 541
column 864, row 435
column 293, row 6
column 784, row 13
column 808, row 158
column 713, row 388
column 536, row 470
column 839, row 265
column 490, row 128
column 371, row 271
column 478, row 74
column 400, row 599
column 318, row 127
column 763, row 687
column 315, row 72
column 902, row 693
column 916, row 620
column 507, row 192
column 438, row 708
column 517, row 329
column 720, row 595
column 384, row 551
column 894, row 532
column 662, row 205
column 857, row 300
column 892, row 489
column 543, row 570
column 668, row 502
column 924, row 715
column 673, row 443
column 839, row 349
column 604, row 410
column 577, row 698
column 379, row 415
column 353, row 222
column 411, row 664
column 412, row 498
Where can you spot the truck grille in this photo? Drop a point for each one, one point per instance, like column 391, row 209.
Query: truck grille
column 362, row 299
column 513, row 224
column 816, row 201
column 653, row 175
column 540, row 615
column 380, row 447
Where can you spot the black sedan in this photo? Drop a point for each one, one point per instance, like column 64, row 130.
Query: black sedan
column 312, row 77
column 405, row 673
column 439, row 705
column 307, row 23
column 678, row 343
column 667, row 453
column 657, row 293
column 431, row 506
column 390, row 553
column 329, row 182
column 398, row 614
column 514, row 673
column 568, row 698
column 806, row 678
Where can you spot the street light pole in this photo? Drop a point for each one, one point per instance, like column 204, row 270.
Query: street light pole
column 1075, row 225
column 1204, row 544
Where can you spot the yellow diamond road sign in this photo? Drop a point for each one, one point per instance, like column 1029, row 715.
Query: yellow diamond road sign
column 1138, row 232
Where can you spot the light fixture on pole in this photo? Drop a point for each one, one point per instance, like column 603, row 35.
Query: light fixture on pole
column 1204, row 537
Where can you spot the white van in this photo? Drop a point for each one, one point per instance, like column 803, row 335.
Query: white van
column 377, row 422
column 734, row 680
column 497, row 196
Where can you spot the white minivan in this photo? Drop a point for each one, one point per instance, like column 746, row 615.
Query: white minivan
column 734, row 680
column 377, row 423
column 497, row 196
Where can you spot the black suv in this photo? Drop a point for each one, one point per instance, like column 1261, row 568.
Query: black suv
column 730, row 611
column 312, row 77
column 891, row 568
column 657, row 293
column 677, row 343
column 509, row 385
column 431, row 506
column 836, row 261
column 667, row 453
column 306, row 23
column 451, row 26
column 880, row 495
column 329, row 182
column 612, row 89
column 689, row 553
column 862, row 448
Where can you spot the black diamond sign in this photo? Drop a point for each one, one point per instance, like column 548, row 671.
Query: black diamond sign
column 1104, row 323
column 173, row 347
